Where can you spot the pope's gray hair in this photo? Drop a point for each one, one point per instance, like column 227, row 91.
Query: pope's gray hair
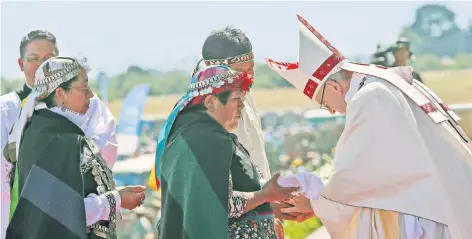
column 339, row 76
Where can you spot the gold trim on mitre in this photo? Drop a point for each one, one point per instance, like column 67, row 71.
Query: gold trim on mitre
column 231, row 60
column 318, row 59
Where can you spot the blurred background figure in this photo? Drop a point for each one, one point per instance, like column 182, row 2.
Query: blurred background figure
column 402, row 53
column 380, row 56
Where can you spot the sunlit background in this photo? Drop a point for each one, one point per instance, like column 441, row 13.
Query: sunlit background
column 151, row 47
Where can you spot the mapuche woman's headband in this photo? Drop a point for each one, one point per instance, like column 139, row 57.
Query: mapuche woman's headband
column 222, row 79
column 231, row 60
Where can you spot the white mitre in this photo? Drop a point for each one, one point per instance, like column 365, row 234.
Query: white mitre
column 318, row 59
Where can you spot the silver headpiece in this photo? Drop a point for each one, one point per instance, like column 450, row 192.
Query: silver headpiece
column 50, row 74
column 56, row 71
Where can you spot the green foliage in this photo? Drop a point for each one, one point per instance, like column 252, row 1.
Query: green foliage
column 176, row 81
column 295, row 230
column 435, row 31
column 267, row 78
column 463, row 61
column 7, row 86
column 429, row 62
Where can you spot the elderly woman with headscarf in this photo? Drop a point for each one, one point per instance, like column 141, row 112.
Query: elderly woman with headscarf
column 60, row 171
column 210, row 187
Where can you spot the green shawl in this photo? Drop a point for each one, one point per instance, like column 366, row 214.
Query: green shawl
column 195, row 178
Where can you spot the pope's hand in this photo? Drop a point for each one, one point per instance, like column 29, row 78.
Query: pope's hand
column 278, row 206
column 301, row 204
column 306, row 216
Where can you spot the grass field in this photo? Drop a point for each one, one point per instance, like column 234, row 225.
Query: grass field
column 452, row 86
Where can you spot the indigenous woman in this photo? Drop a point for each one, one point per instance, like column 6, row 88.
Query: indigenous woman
column 210, row 187
column 65, row 188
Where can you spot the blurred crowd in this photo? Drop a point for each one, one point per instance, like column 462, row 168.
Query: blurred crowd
column 295, row 141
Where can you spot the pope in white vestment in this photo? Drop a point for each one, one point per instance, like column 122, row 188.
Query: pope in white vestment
column 402, row 164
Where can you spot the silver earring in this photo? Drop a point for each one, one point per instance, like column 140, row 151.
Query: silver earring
column 62, row 107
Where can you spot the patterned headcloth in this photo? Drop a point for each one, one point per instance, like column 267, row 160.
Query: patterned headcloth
column 211, row 80
column 56, row 71
column 48, row 77
column 225, row 62
column 216, row 80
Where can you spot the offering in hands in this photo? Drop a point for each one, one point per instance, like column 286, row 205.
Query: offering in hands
column 310, row 184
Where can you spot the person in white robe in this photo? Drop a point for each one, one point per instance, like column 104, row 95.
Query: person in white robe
column 98, row 123
column 402, row 164
column 230, row 46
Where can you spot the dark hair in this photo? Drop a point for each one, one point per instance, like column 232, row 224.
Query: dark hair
column 224, row 43
column 37, row 35
column 65, row 85
column 223, row 97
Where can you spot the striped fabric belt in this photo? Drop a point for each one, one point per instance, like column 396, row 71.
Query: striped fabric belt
column 258, row 216
column 99, row 230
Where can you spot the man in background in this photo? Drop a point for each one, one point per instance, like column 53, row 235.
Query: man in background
column 35, row 48
column 402, row 53
column 231, row 47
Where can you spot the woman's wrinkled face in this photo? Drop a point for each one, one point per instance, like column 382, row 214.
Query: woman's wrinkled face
column 229, row 114
column 77, row 97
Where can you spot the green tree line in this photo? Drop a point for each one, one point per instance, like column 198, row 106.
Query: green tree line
column 176, row 81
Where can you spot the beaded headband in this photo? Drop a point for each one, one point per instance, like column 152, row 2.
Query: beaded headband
column 218, row 83
column 206, row 86
column 231, row 60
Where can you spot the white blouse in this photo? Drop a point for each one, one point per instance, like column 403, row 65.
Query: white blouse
column 99, row 124
column 250, row 135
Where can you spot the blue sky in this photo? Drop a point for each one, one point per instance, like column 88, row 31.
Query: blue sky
column 169, row 35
